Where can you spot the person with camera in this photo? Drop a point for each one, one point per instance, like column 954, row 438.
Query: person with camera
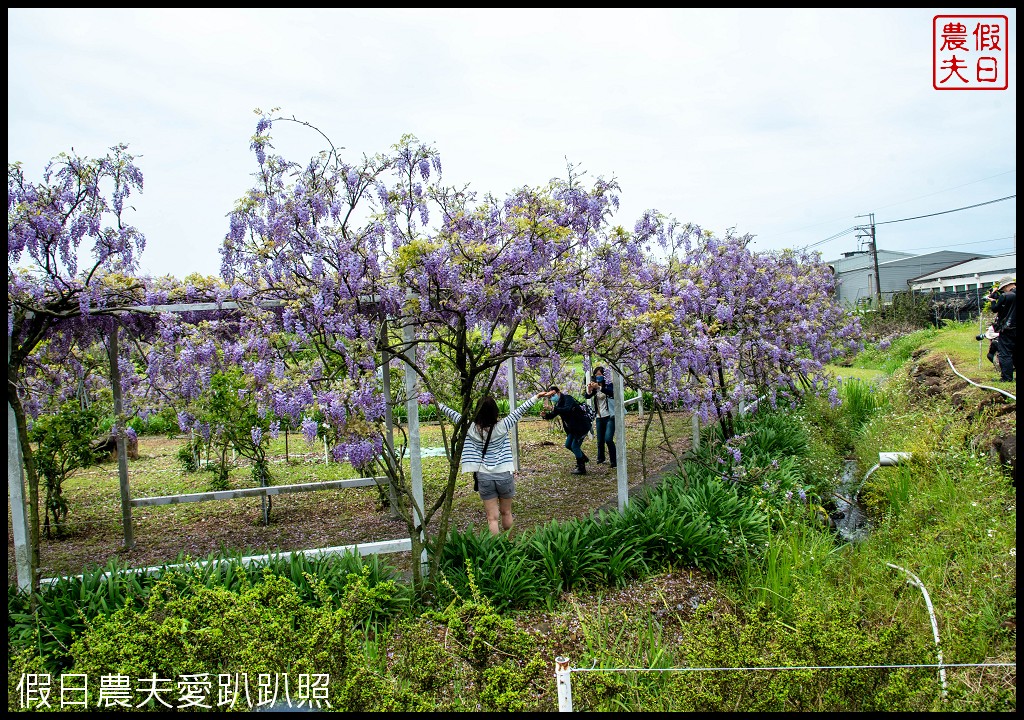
column 1005, row 308
column 993, row 343
column 601, row 392
column 575, row 422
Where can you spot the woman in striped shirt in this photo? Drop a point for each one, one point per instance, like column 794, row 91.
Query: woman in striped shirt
column 487, row 453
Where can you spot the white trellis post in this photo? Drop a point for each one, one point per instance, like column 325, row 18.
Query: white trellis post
column 389, row 419
column 514, row 432
column 412, row 409
column 119, row 434
column 588, row 376
column 621, row 473
column 16, row 494
column 695, row 421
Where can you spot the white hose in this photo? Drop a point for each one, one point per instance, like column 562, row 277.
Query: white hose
column 987, row 387
column 914, row 580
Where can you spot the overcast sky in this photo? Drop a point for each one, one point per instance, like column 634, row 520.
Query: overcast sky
column 785, row 124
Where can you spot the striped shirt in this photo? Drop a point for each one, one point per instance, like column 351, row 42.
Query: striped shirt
column 499, row 450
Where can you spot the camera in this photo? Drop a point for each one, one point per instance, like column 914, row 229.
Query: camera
column 980, row 337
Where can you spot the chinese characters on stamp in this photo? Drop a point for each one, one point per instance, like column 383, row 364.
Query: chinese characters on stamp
column 970, row 52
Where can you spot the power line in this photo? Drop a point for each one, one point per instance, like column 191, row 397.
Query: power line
column 849, row 230
column 937, row 192
column 944, row 212
column 838, row 235
column 956, row 187
column 961, row 244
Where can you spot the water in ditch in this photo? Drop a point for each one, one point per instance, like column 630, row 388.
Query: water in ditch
column 849, row 518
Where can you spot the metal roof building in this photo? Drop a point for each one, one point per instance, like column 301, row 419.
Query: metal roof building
column 968, row 275
column 856, row 272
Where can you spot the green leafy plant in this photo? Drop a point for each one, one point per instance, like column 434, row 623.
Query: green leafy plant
column 63, row 445
column 188, row 455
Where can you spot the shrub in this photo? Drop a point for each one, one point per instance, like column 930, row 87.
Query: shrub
column 186, row 628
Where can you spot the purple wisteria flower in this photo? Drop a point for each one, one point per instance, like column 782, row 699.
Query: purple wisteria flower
column 184, row 421
column 309, row 429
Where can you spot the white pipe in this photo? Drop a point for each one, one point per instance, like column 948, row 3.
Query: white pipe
column 914, row 580
column 564, row 685
column 861, row 484
column 987, row 387
column 885, row 459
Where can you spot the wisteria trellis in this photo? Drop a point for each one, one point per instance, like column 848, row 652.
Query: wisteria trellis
column 349, row 253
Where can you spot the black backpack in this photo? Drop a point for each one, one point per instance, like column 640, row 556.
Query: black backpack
column 584, row 410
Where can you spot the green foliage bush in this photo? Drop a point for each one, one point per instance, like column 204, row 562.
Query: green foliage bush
column 61, row 611
column 188, row 628
column 503, row 659
column 705, row 523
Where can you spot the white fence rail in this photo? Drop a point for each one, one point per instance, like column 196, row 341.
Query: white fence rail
column 370, row 548
column 258, row 491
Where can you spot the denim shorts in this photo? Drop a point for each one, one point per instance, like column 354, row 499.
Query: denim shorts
column 496, row 485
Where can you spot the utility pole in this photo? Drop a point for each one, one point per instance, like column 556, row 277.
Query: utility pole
column 870, row 232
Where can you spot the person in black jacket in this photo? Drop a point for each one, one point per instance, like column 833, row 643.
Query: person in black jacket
column 1005, row 308
column 575, row 422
